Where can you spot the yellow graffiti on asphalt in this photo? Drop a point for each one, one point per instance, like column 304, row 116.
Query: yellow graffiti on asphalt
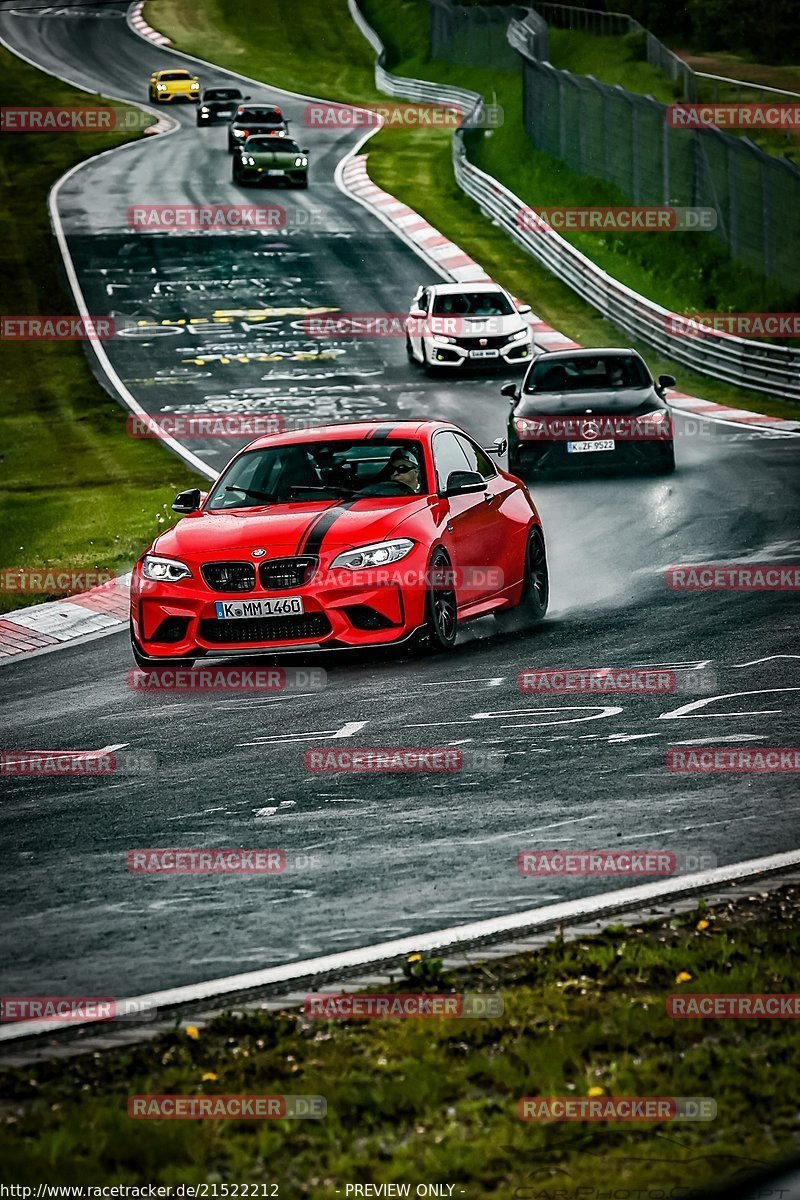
column 202, row 360
column 226, row 316
column 254, row 314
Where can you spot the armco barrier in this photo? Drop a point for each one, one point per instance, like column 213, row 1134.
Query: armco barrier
column 762, row 366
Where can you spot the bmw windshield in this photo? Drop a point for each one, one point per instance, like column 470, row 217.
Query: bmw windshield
column 321, row 471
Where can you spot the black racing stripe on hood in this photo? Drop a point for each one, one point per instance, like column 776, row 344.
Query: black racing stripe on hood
column 311, row 525
column 312, row 539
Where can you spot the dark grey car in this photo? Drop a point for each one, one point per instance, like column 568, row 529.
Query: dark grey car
column 587, row 409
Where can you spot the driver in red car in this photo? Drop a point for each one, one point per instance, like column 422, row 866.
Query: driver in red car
column 400, row 477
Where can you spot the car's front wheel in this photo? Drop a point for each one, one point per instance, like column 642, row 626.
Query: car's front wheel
column 535, row 587
column 158, row 666
column 441, row 612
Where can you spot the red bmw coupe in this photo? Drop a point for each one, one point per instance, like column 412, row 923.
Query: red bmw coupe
column 350, row 535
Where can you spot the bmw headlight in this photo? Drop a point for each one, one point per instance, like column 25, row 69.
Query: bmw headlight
column 519, row 335
column 247, row 161
column 164, row 570
column 301, row 162
column 204, row 110
column 376, row 555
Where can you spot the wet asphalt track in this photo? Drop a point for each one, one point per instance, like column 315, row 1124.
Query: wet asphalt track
column 396, row 854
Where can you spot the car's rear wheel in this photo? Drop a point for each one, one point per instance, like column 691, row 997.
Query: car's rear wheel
column 441, row 612
column 158, row 666
column 535, row 587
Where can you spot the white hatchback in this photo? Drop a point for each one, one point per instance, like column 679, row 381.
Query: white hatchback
column 468, row 325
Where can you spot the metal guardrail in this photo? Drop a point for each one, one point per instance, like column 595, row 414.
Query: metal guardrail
column 764, row 367
column 421, row 90
column 744, row 85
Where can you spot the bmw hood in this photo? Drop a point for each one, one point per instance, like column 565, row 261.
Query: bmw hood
column 284, row 530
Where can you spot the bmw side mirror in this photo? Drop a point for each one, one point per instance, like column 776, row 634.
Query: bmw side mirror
column 665, row 381
column 511, row 390
column 188, row 501
column 498, row 446
column 459, row 483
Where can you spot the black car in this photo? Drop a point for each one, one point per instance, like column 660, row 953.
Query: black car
column 218, row 104
column 584, row 409
column 250, row 119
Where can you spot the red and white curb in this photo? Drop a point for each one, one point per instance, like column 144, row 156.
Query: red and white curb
column 164, row 124
column 451, row 260
column 52, row 624
column 137, row 21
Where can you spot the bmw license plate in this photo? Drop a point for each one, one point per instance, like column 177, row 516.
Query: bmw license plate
column 588, row 447
column 238, row 610
column 484, row 353
column 276, row 171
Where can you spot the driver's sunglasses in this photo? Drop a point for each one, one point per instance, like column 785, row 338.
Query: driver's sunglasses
column 402, row 468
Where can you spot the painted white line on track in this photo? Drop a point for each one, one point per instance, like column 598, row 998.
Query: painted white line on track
column 533, row 918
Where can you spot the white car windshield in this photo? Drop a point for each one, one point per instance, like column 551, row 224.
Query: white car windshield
column 472, row 304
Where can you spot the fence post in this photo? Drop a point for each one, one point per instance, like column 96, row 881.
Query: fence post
column 733, row 202
column 635, row 156
column 665, row 131
column 766, row 239
column 562, row 117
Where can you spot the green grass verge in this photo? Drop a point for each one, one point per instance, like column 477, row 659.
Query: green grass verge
column 435, row 1099
column 623, row 61
column 618, row 61
column 320, row 52
column 76, row 491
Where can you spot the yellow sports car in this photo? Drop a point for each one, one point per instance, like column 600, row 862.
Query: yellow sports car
column 166, row 86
